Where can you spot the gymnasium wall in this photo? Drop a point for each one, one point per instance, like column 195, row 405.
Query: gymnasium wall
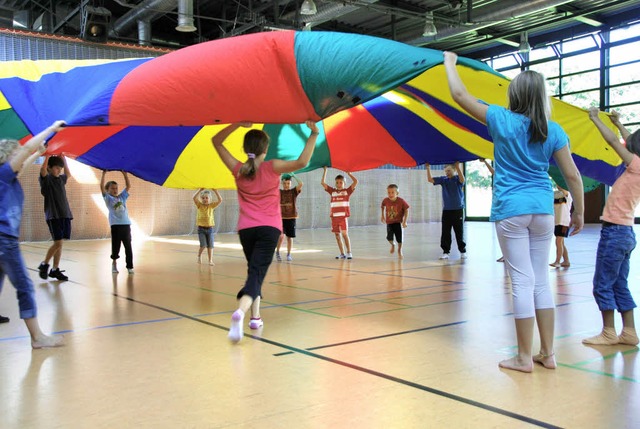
column 160, row 211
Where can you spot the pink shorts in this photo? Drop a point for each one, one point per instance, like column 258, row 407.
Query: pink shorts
column 339, row 224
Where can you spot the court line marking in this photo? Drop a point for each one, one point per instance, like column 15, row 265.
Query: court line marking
column 388, row 377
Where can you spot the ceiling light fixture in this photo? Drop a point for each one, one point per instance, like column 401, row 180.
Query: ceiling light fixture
column 308, row 8
column 429, row 27
column 524, row 47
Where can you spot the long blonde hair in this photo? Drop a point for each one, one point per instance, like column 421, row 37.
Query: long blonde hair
column 255, row 144
column 528, row 96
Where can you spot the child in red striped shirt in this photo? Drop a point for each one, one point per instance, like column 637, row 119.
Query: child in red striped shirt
column 340, row 211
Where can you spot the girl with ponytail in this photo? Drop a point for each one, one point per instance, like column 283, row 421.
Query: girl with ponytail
column 260, row 221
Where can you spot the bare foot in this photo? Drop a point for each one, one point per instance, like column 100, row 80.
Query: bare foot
column 393, row 248
column 548, row 361
column 500, row 259
column 47, row 341
column 565, row 264
column 400, row 254
column 211, row 263
column 517, row 364
column 199, row 259
column 607, row 337
column 629, row 337
column 555, row 265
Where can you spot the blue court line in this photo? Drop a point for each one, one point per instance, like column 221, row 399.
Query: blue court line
column 388, row 377
column 116, row 325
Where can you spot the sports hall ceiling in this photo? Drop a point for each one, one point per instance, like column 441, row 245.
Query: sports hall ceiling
column 474, row 28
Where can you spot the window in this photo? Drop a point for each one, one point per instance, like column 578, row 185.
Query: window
column 478, row 189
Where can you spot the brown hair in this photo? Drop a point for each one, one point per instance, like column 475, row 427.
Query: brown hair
column 256, row 143
column 633, row 143
column 393, row 186
column 528, row 96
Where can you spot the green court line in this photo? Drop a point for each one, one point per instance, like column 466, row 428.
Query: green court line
column 593, row 371
column 407, row 308
column 603, row 358
column 370, row 301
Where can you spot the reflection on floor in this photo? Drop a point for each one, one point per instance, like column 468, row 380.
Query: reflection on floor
column 374, row 342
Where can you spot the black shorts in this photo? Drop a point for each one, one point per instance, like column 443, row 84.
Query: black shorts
column 60, row 228
column 289, row 227
column 394, row 229
column 561, row 231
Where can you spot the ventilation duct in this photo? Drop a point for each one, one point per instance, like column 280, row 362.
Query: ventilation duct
column 500, row 12
column 185, row 16
column 144, row 33
column 148, row 10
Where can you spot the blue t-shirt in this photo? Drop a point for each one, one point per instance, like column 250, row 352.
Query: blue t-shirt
column 118, row 213
column 521, row 181
column 11, row 200
column 452, row 192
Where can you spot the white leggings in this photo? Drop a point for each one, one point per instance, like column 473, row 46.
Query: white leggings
column 525, row 242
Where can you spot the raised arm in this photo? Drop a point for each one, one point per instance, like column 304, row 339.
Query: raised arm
column 43, row 167
column 610, row 137
column 615, row 118
column 196, row 201
column 127, row 183
column 571, row 175
column 459, row 170
column 324, row 177
column 280, row 166
column 67, row 172
column 216, row 203
column 459, row 92
column 34, row 144
column 299, row 183
column 218, row 144
column 429, row 178
column 32, row 158
column 491, row 169
column 353, row 180
column 102, row 182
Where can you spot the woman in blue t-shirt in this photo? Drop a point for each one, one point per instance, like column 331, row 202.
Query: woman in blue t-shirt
column 524, row 140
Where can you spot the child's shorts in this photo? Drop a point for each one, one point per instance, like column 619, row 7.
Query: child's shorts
column 289, row 227
column 561, row 231
column 394, row 229
column 60, row 229
column 339, row 224
column 205, row 236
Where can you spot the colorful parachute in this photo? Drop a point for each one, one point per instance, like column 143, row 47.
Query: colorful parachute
column 380, row 102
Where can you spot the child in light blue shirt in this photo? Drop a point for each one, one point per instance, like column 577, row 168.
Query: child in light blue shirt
column 118, row 219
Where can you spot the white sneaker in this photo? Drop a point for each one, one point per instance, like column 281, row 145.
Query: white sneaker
column 256, row 323
column 130, row 270
column 235, row 330
column 341, row 256
column 289, row 258
column 444, row 256
column 349, row 255
column 463, row 255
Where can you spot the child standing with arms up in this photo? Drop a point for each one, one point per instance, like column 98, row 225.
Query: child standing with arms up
column 118, row 219
column 524, row 140
column 397, row 213
column 260, row 220
column 205, row 220
column 562, row 212
column 13, row 158
column 340, row 211
column 617, row 240
column 452, row 207
column 57, row 212
column 289, row 211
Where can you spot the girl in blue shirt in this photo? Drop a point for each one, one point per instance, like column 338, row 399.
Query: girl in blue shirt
column 524, row 140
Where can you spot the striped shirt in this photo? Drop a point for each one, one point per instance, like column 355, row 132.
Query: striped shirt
column 340, row 201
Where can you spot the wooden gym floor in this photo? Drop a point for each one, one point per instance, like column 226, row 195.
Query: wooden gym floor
column 368, row 343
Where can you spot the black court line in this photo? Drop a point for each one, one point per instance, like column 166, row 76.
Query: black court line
column 378, row 337
column 407, row 383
